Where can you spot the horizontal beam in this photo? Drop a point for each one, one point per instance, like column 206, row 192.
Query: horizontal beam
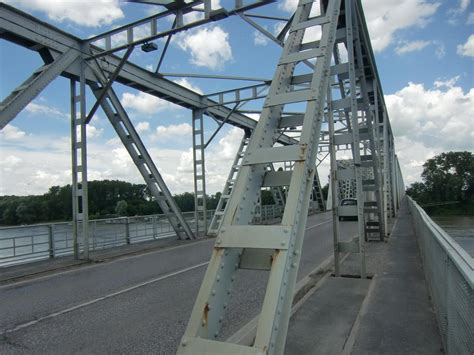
column 27, row 31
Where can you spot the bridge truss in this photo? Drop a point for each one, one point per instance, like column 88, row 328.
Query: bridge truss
column 324, row 99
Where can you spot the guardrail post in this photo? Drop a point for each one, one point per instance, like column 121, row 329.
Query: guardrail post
column 155, row 233
column 127, row 230
column 51, row 241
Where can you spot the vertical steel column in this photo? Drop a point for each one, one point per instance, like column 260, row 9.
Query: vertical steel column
column 333, row 184
column 393, row 183
column 386, row 192
column 229, row 185
column 276, row 248
column 80, row 210
column 373, row 122
column 200, row 213
column 355, row 135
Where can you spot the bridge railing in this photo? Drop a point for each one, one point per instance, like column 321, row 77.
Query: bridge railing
column 449, row 270
column 21, row 244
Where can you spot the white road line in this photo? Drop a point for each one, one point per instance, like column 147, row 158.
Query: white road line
column 319, row 224
column 103, row 298
column 114, row 294
column 80, row 267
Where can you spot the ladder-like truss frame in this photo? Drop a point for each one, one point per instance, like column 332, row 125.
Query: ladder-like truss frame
column 357, row 120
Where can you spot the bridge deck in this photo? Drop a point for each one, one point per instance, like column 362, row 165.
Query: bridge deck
column 140, row 303
column 132, row 304
column 391, row 314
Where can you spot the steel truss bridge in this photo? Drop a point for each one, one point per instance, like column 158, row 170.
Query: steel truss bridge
column 325, row 97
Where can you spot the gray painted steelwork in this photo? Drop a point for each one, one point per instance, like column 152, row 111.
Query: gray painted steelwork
column 277, row 152
column 276, row 248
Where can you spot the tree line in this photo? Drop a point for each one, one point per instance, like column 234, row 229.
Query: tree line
column 107, row 199
column 447, row 177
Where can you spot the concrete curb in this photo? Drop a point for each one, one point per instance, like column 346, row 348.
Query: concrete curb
column 304, row 288
column 350, row 341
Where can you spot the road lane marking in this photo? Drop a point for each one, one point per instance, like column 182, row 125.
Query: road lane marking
column 103, row 298
column 319, row 224
column 125, row 290
column 80, row 267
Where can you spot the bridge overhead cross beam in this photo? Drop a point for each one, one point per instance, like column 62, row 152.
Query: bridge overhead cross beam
column 50, row 42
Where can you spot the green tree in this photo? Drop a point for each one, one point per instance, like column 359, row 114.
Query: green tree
column 24, row 214
column 121, row 208
column 417, row 191
column 324, row 191
column 449, row 177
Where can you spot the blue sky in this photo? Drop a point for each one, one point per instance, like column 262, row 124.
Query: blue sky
column 424, row 51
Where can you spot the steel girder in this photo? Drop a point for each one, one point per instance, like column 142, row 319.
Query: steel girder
column 25, row 30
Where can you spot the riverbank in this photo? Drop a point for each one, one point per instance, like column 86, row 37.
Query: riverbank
column 461, row 209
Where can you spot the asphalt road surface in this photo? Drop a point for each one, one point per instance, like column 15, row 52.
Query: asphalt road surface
column 138, row 304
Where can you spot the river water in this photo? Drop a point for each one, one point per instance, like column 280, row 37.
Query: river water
column 460, row 228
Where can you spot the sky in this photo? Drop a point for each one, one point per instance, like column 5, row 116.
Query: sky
column 424, row 51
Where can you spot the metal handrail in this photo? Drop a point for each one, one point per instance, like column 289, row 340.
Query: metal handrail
column 50, row 240
column 463, row 260
column 449, row 270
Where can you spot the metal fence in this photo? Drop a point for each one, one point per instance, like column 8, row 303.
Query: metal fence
column 21, row 244
column 449, row 270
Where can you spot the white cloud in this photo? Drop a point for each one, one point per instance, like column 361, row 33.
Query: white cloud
column 10, row 133
column 386, row 17
column 172, row 132
column 219, row 158
column 448, row 83
column 467, row 49
column 464, row 4
column 455, row 12
column 412, row 155
column 440, row 50
column 259, row 39
column 199, row 15
column 93, row 132
column 85, row 13
column 470, row 19
column 9, row 162
column 418, row 45
column 186, row 162
column 145, row 103
column 278, row 27
column 413, row 46
column 143, row 127
column 288, row 5
column 40, row 161
column 438, row 118
column 209, row 47
column 39, row 109
column 187, row 84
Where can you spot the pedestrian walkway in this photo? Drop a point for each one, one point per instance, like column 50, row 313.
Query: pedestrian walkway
column 391, row 314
